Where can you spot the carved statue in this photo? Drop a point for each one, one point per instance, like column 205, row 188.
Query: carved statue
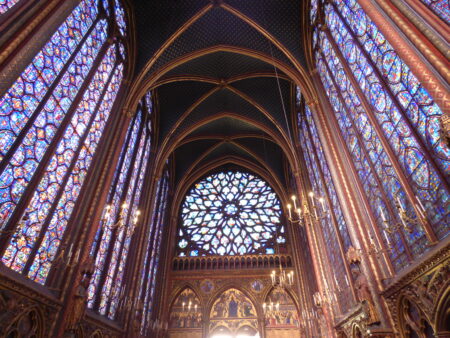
column 79, row 303
column 365, row 297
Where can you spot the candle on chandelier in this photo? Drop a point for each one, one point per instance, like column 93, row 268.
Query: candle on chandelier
column 400, row 204
column 383, row 217
column 293, row 199
column 322, row 202
column 289, row 210
column 195, row 308
column 183, row 305
column 311, row 194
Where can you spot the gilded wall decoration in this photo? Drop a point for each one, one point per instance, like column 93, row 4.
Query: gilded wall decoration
column 233, row 310
column 280, row 310
column 186, row 311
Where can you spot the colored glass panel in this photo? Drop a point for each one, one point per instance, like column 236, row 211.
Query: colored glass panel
column 109, row 224
column 229, row 213
column 26, row 158
column 116, row 268
column 324, row 188
column 440, row 8
column 421, row 112
column 153, row 251
column 66, row 204
column 5, row 5
column 120, row 17
column 56, row 173
column 366, row 171
column 21, row 100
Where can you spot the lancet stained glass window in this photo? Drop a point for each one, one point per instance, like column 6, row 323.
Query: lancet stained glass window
column 230, row 213
column 51, row 122
column 120, row 217
column 335, row 231
column 440, row 7
column 395, row 144
column 151, row 263
column 6, row 5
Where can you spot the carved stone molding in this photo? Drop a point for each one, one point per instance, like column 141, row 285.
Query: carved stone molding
column 424, row 286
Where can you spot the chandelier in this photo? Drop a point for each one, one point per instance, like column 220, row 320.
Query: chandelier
column 298, row 216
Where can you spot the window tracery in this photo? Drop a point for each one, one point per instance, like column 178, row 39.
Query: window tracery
column 230, row 213
column 151, row 262
column 334, row 225
column 6, row 5
column 51, row 122
column 120, row 217
column 390, row 125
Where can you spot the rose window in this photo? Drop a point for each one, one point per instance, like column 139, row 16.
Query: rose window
column 230, row 213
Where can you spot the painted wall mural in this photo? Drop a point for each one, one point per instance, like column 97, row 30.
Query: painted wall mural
column 233, row 310
column 186, row 311
column 280, row 311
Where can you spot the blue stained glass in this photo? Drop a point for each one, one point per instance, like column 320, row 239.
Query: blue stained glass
column 22, row 99
column 58, row 168
column 440, row 7
column 120, row 17
column 153, row 251
column 106, row 226
column 230, row 213
column 323, row 187
column 5, row 5
column 19, row 171
column 418, row 107
column 367, row 172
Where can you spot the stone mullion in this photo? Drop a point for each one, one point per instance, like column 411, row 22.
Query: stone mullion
column 95, row 194
column 153, row 204
column 300, row 265
column 419, row 17
column 115, row 231
column 333, row 216
column 434, row 29
column 315, row 252
column 364, row 150
column 27, row 195
column 318, row 234
column 59, row 134
column 359, row 232
column 70, row 169
column 20, row 137
column 110, row 195
column 437, row 89
column 19, row 45
column 386, row 146
column 129, row 216
column 366, row 104
column 134, row 286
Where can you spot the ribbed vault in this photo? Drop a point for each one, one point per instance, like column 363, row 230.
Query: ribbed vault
column 223, row 73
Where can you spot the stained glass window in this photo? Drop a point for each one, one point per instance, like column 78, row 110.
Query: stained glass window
column 440, row 7
column 393, row 142
column 334, row 226
column 5, row 5
column 119, row 221
column 51, row 122
column 230, row 213
column 149, row 272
